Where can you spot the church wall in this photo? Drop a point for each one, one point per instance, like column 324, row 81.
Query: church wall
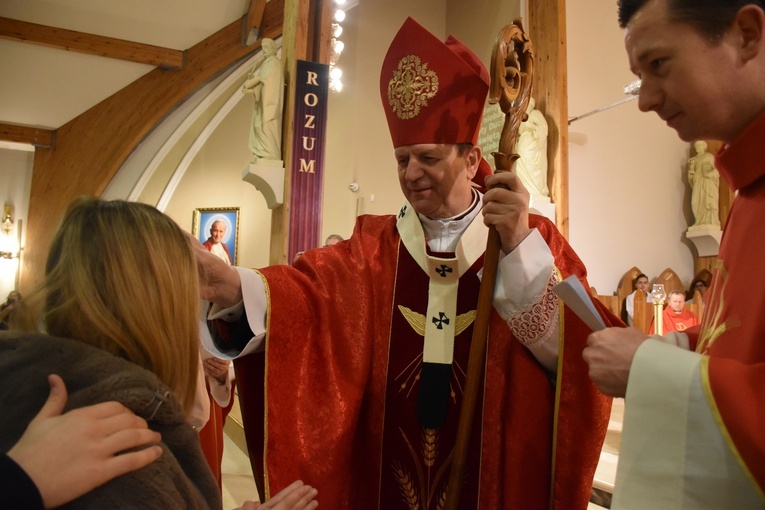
column 486, row 20
column 15, row 184
column 627, row 169
column 359, row 148
column 214, row 179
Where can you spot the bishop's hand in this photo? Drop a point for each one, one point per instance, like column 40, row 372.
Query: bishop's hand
column 218, row 282
column 507, row 208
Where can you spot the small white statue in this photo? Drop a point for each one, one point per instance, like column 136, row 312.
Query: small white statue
column 266, row 84
column 531, row 146
column 705, row 181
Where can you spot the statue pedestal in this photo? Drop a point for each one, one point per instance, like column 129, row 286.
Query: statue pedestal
column 706, row 238
column 543, row 206
column 267, row 175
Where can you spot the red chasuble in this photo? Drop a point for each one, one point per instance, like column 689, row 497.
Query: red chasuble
column 733, row 327
column 341, row 383
column 673, row 321
column 211, row 438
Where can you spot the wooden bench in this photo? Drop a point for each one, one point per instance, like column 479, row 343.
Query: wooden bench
column 642, row 310
column 615, row 302
column 610, row 302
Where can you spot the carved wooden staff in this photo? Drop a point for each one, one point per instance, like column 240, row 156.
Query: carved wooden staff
column 511, row 72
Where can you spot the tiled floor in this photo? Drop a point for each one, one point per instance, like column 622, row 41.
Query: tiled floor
column 605, row 474
column 238, row 485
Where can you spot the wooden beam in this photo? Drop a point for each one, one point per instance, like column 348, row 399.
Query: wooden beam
column 321, row 30
column 91, row 44
column 295, row 46
column 547, row 30
column 93, row 146
column 254, row 20
column 24, row 134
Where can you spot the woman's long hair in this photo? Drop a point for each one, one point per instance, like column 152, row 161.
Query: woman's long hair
column 121, row 276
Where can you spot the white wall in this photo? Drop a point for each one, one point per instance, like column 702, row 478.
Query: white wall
column 214, row 179
column 486, row 19
column 626, row 168
column 359, row 147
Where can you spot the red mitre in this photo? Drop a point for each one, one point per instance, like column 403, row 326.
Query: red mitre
column 433, row 91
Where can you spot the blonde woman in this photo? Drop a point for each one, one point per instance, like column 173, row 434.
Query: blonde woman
column 119, row 306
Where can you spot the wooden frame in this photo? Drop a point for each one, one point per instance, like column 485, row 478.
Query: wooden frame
column 205, row 217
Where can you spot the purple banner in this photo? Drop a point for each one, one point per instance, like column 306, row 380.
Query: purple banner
column 310, row 124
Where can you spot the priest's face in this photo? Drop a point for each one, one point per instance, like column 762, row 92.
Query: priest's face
column 435, row 178
column 686, row 77
column 677, row 302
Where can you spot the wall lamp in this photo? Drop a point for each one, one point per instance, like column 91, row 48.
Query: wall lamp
column 632, row 90
column 9, row 246
column 8, row 219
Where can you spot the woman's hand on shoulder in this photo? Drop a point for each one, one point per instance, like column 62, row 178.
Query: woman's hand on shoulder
column 68, row 455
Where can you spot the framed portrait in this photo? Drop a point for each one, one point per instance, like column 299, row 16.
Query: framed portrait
column 218, row 229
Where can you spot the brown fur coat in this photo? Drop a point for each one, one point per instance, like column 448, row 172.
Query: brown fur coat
column 180, row 478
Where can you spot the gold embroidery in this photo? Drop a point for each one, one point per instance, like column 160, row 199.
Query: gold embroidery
column 417, row 320
column 411, row 86
column 413, row 368
column 423, row 489
column 407, row 488
column 712, row 326
column 423, row 481
column 430, row 446
column 463, row 321
column 441, row 501
column 411, row 373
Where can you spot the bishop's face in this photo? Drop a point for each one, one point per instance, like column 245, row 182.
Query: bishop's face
column 435, row 179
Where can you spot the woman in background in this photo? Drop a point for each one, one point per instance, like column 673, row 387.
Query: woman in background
column 7, row 308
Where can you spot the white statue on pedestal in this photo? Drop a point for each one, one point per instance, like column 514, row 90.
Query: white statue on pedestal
column 705, row 181
column 531, row 146
column 266, row 84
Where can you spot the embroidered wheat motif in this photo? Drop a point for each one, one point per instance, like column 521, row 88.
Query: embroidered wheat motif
column 441, row 501
column 429, row 446
column 407, row 487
